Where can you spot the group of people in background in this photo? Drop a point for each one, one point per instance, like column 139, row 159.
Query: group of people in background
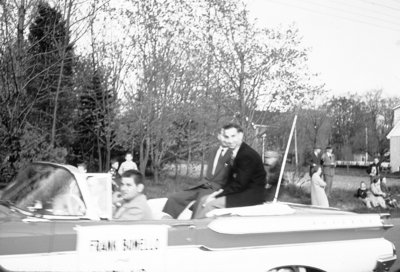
column 117, row 170
column 322, row 171
column 378, row 194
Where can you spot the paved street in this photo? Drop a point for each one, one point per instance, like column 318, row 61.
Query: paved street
column 394, row 235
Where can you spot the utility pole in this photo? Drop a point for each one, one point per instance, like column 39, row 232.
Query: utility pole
column 263, row 147
column 366, row 144
column 295, row 147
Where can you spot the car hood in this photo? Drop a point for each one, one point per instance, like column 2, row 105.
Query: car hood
column 7, row 214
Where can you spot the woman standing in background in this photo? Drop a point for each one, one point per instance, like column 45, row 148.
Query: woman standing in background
column 318, row 195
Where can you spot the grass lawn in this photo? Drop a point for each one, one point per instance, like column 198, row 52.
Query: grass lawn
column 345, row 185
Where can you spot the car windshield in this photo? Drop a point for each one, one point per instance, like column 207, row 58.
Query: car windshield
column 45, row 189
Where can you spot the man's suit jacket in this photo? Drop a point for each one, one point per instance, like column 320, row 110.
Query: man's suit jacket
column 377, row 169
column 178, row 201
column 218, row 179
column 329, row 164
column 313, row 159
column 247, row 179
column 136, row 209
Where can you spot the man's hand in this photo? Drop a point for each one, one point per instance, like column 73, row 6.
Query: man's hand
column 117, row 198
column 212, row 197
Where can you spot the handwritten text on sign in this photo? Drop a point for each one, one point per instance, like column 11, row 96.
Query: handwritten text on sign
column 122, row 247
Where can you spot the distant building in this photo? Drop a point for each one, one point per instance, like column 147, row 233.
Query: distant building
column 359, row 156
column 394, row 137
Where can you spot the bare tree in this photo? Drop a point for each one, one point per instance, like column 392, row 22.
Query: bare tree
column 379, row 120
column 260, row 69
column 14, row 103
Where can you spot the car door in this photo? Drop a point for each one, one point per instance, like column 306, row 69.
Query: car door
column 111, row 245
column 25, row 244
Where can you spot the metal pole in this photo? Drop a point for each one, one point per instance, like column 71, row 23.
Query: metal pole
column 284, row 160
column 366, row 144
column 295, row 147
column 263, row 148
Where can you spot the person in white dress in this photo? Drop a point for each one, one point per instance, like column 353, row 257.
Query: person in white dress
column 318, row 195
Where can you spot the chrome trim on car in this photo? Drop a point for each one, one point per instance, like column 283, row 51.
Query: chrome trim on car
column 385, row 224
column 385, row 215
column 282, row 224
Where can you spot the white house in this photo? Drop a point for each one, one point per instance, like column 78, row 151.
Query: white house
column 394, row 137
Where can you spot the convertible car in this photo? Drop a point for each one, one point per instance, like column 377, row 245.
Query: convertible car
column 54, row 218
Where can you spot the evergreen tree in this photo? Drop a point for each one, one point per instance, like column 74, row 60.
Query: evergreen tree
column 95, row 136
column 50, row 73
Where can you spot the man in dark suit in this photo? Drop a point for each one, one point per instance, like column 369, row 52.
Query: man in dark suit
column 374, row 170
column 328, row 168
column 216, row 176
column 247, row 178
column 314, row 158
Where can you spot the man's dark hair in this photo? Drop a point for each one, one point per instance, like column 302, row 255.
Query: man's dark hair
column 136, row 175
column 233, row 125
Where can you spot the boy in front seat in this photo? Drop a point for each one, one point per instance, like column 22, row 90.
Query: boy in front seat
column 130, row 203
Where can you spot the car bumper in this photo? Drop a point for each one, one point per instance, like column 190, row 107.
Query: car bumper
column 384, row 264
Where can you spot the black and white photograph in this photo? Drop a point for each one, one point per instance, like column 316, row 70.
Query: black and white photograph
column 199, row 135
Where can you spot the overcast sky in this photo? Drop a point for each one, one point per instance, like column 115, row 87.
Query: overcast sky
column 355, row 43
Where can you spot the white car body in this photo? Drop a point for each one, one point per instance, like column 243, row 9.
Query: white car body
column 269, row 237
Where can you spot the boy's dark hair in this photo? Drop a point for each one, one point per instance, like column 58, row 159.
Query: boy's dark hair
column 136, row 175
column 233, row 125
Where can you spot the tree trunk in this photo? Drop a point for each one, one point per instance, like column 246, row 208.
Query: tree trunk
column 60, row 77
column 156, row 175
column 108, row 153
column 99, row 154
column 202, row 163
column 20, row 46
column 189, row 159
column 176, row 169
column 144, row 154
